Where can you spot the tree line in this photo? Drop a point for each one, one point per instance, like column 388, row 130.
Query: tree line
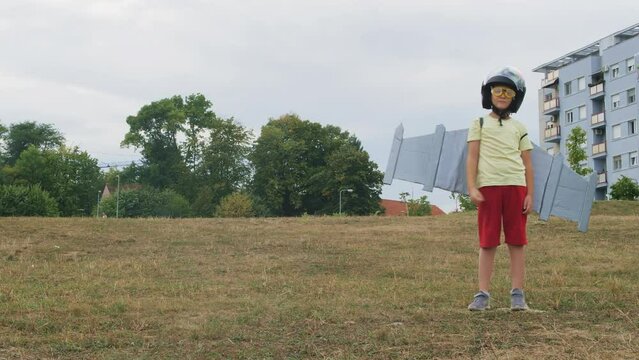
column 194, row 163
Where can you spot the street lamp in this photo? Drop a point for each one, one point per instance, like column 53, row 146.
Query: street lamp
column 340, row 199
column 117, row 201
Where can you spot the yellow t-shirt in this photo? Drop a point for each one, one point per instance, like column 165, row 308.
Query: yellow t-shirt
column 500, row 150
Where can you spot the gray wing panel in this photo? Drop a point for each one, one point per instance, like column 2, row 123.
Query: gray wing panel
column 542, row 162
column 451, row 173
column 411, row 164
column 574, row 196
column 415, row 159
column 394, row 154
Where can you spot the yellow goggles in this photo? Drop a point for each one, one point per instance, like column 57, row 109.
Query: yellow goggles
column 508, row 93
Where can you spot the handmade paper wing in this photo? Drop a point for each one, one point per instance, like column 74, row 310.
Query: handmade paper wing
column 438, row 160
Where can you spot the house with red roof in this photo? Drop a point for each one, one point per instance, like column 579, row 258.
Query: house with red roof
column 398, row 208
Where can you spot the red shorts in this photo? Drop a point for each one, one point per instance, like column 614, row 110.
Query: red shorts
column 502, row 204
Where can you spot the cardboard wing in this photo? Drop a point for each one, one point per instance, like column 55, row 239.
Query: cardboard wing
column 438, row 160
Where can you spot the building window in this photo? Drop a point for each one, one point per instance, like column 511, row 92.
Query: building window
column 633, row 158
column 616, row 131
column 632, row 127
column 614, row 71
column 582, row 112
column 581, row 83
column 569, row 117
column 630, row 65
column 631, row 96
column 616, row 162
column 568, row 88
column 615, row 101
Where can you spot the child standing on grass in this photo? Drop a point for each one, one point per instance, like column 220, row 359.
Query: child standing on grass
column 500, row 182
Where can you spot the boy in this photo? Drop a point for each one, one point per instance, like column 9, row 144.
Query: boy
column 500, row 182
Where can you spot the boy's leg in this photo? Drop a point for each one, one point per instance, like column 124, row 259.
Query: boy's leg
column 486, row 265
column 517, row 261
column 515, row 232
column 517, row 265
column 489, row 225
column 489, row 228
column 481, row 300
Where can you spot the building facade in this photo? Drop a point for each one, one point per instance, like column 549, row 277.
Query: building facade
column 595, row 88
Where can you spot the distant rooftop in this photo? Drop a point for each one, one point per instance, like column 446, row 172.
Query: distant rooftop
column 588, row 50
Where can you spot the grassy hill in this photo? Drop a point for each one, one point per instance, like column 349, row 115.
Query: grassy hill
column 343, row 288
column 616, row 208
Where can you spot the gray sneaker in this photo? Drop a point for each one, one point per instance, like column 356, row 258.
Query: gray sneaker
column 518, row 300
column 481, row 302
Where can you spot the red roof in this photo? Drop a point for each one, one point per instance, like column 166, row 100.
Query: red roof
column 398, row 208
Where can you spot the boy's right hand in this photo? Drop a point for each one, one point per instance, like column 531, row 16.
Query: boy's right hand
column 475, row 196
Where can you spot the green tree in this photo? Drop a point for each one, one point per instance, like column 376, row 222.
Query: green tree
column 25, row 134
column 224, row 168
column 72, row 177
column 576, row 154
column 3, row 130
column 186, row 147
column 347, row 167
column 130, row 174
column 154, row 130
column 300, row 166
column 198, row 117
column 624, row 189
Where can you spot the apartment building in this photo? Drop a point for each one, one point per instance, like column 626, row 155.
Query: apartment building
column 595, row 88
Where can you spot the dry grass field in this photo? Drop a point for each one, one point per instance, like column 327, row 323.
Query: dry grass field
column 296, row 288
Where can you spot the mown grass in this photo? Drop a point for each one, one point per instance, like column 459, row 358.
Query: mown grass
column 342, row 288
column 618, row 207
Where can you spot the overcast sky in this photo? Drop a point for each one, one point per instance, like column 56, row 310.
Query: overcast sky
column 365, row 66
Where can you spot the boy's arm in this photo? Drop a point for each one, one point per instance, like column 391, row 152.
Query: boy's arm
column 526, row 157
column 471, row 172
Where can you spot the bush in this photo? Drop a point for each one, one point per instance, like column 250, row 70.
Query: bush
column 16, row 200
column 235, row 205
column 419, row 207
column 146, row 202
column 465, row 204
column 624, row 189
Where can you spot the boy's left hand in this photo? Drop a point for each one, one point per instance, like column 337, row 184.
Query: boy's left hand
column 528, row 204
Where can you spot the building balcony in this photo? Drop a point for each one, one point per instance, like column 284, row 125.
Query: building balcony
column 599, row 150
column 602, row 179
column 551, row 106
column 551, row 79
column 597, row 120
column 553, row 134
column 596, row 90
